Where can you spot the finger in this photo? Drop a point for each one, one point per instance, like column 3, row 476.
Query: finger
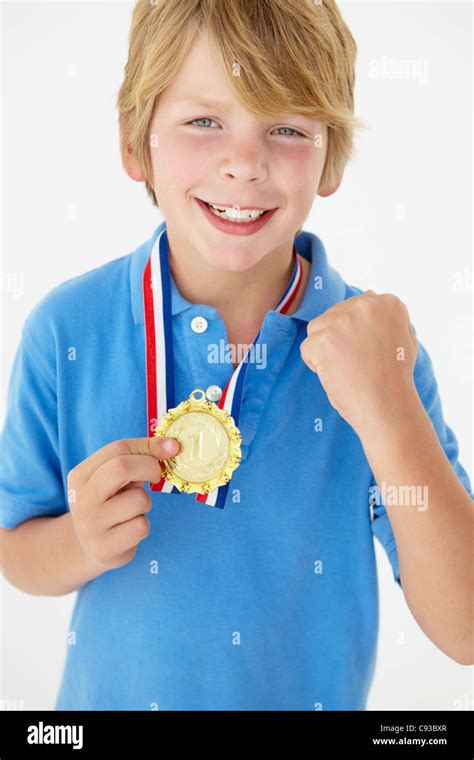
column 338, row 309
column 152, row 445
column 316, row 368
column 124, row 506
column 121, row 538
column 309, row 355
column 347, row 302
column 319, row 323
column 132, row 484
column 328, row 319
column 116, row 473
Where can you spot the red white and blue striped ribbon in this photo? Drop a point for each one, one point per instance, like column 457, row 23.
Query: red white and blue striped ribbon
column 160, row 358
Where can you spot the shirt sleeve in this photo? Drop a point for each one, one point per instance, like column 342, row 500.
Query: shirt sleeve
column 30, row 474
column 427, row 388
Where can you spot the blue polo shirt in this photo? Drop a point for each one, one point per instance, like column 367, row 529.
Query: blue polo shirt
column 269, row 603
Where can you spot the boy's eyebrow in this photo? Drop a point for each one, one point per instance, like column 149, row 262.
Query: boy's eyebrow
column 205, row 103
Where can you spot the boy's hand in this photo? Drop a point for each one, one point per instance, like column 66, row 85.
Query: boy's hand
column 363, row 350
column 109, row 501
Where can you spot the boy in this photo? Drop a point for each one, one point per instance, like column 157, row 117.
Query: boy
column 270, row 601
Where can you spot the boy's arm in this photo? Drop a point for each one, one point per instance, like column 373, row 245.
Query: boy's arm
column 56, row 555
column 365, row 352
column 434, row 537
column 43, row 556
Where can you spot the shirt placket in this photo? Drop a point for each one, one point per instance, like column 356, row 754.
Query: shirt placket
column 205, row 338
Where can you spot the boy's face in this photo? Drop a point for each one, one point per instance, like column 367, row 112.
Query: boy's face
column 228, row 157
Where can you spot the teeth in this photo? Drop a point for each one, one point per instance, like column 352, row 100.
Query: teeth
column 234, row 214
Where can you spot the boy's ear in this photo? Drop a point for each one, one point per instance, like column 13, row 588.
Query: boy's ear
column 329, row 189
column 129, row 161
column 132, row 166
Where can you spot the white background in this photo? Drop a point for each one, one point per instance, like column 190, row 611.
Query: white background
column 400, row 222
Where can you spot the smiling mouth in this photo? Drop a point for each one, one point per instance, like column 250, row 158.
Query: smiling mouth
column 235, row 213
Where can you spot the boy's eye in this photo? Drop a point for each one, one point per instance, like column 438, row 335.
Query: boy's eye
column 206, row 118
column 203, row 118
column 290, row 129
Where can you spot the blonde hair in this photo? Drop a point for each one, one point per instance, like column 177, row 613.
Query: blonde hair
column 293, row 56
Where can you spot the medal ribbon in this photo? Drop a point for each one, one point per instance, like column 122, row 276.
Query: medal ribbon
column 160, row 358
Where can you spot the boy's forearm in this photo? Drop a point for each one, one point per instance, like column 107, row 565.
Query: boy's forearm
column 434, row 535
column 43, row 556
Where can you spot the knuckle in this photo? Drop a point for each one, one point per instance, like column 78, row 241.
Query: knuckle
column 325, row 338
column 365, row 303
column 392, row 300
column 120, row 447
column 125, row 557
column 306, row 350
column 344, row 321
column 114, row 564
column 121, row 466
column 143, row 526
column 399, row 309
column 304, row 345
column 142, row 499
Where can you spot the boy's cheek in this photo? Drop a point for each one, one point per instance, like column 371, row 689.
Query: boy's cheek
column 297, row 169
column 181, row 157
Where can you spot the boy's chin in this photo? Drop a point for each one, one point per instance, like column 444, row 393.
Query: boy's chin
column 231, row 260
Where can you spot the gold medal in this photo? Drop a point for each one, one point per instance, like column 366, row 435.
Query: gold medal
column 210, row 444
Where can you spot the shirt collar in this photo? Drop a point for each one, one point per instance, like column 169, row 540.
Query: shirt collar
column 324, row 288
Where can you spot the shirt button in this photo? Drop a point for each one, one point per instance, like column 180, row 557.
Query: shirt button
column 199, row 324
column 214, row 393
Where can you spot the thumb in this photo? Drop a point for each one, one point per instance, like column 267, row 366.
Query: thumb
column 163, row 447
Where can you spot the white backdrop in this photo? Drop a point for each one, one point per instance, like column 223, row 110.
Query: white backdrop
column 400, row 222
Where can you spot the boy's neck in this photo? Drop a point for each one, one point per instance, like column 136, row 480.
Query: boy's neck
column 242, row 298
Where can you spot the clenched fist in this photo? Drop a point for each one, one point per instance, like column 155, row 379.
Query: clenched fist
column 363, row 350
